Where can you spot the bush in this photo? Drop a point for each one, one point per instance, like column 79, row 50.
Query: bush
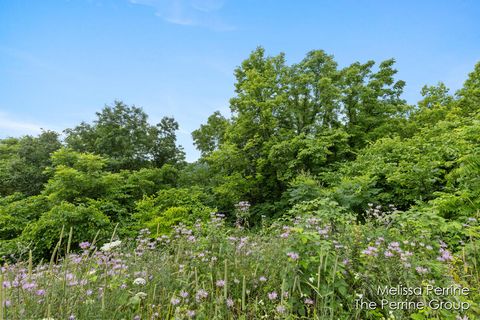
column 85, row 222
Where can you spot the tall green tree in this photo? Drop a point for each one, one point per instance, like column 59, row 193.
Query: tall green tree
column 291, row 119
column 23, row 162
column 122, row 134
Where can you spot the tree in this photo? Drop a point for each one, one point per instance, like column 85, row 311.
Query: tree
column 23, row 162
column 123, row 135
column 211, row 135
column 306, row 117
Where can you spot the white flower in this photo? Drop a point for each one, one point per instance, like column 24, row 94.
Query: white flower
column 139, row 281
column 110, row 245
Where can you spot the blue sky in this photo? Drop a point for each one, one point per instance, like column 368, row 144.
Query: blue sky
column 61, row 61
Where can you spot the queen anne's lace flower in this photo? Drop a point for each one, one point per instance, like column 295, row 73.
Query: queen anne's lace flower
column 139, row 281
column 110, row 245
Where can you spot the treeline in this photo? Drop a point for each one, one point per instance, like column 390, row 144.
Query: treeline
column 296, row 133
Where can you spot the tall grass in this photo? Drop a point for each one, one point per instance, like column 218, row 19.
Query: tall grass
column 308, row 268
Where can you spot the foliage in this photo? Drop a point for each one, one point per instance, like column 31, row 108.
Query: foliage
column 123, row 135
column 170, row 207
column 45, row 233
column 23, row 162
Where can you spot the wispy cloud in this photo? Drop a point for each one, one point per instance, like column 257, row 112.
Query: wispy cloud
column 13, row 127
column 199, row 13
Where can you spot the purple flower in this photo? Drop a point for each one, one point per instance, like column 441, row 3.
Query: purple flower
column 309, row 301
column 280, row 309
column 445, row 255
column 421, row 270
column 84, row 245
column 262, row 279
column 183, row 294
column 272, row 295
column 29, row 286
column 220, row 283
column 370, row 251
column 388, row 254
column 174, row 301
column 229, row 302
column 190, row 313
column 201, row 294
column 40, row 292
column 72, row 317
column 284, row 235
column 293, row 255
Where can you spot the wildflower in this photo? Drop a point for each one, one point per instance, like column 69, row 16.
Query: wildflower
column 72, row 317
column 229, row 302
column 85, row 245
column 309, row 301
column 272, row 295
column 429, row 247
column 220, row 283
column 7, row 303
column 190, row 313
column 421, row 270
column 110, row 245
column 29, row 286
column 346, row 261
column 293, row 255
column 40, row 292
column 370, row 251
column 284, row 235
column 388, row 254
column 139, row 281
column 137, row 318
column 201, row 294
column 262, row 279
column 183, row 294
column 280, row 309
column 395, row 244
column 445, row 255
column 123, row 286
column 89, row 292
column 174, row 301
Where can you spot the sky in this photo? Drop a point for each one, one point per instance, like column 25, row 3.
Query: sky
column 61, row 61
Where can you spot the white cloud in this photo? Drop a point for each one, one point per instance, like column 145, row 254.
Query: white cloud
column 200, row 13
column 12, row 127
